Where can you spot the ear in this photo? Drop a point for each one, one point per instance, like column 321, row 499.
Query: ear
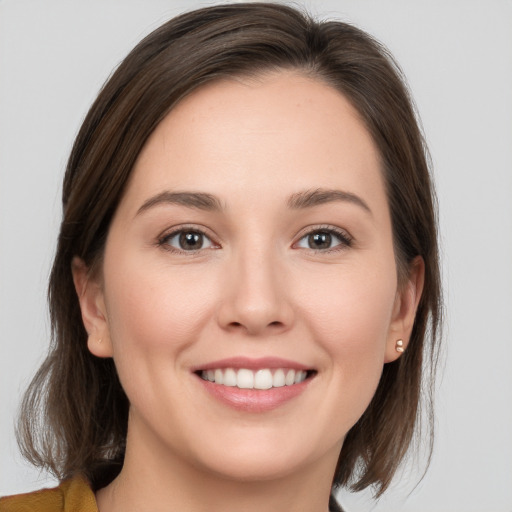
column 92, row 305
column 404, row 310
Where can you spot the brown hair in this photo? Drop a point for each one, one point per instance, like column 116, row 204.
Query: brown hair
column 74, row 415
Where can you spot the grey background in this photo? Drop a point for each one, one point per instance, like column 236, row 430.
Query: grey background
column 457, row 55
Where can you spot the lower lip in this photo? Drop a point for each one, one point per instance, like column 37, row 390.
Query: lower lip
column 254, row 400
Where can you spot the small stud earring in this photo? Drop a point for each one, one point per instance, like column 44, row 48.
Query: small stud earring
column 99, row 340
column 399, row 346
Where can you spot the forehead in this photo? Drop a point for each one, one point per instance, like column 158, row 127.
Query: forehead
column 267, row 134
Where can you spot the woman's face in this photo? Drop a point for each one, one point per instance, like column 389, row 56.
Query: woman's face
column 253, row 247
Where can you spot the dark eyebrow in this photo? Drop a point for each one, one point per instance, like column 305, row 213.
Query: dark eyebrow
column 310, row 198
column 199, row 200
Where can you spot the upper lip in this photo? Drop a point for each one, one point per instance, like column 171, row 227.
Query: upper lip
column 252, row 364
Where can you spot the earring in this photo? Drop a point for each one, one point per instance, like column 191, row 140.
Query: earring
column 399, row 346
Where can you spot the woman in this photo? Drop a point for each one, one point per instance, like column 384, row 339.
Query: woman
column 246, row 272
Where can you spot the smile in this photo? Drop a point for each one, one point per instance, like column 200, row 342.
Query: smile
column 264, row 378
column 254, row 385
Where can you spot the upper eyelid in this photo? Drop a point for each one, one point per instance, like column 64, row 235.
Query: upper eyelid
column 323, row 227
column 163, row 241
column 174, row 230
column 346, row 239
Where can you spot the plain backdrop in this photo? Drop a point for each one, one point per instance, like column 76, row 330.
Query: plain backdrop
column 457, row 55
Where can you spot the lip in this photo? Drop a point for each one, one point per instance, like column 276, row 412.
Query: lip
column 252, row 364
column 253, row 400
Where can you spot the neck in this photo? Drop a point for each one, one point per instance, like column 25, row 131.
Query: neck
column 157, row 480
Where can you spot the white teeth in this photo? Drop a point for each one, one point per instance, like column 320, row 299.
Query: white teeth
column 249, row 379
column 278, row 379
column 219, row 376
column 229, row 378
column 244, row 379
column 299, row 376
column 263, row 379
column 290, row 378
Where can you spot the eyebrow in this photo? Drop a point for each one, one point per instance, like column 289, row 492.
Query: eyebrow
column 297, row 201
column 198, row 200
column 310, row 198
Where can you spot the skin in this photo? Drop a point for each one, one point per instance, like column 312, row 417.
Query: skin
column 255, row 289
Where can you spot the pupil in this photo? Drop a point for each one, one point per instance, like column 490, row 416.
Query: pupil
column 320, row 241
column 191, row 240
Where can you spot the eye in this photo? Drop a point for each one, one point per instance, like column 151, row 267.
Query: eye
column 187, row 240
column 324, row 240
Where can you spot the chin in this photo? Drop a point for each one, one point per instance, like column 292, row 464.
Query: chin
column 254, row 460
column 257, row 469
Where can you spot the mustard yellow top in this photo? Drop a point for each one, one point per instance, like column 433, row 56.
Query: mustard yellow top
column 74, row 495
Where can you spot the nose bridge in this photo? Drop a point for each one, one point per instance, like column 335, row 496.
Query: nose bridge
column 256, row 298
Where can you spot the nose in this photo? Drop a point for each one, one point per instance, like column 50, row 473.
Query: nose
column 255, row 297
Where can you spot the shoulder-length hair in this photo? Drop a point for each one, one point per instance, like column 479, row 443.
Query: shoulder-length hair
column 74, row 415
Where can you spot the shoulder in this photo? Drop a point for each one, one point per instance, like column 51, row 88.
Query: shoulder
column 74, row 495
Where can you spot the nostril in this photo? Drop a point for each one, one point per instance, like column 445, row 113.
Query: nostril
column 240, row 325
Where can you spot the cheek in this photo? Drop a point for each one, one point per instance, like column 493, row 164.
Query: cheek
column 154, row 315
column 350, row 320
column 157, row 303
column 352, row 308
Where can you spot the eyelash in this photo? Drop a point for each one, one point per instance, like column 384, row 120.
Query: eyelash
column 344, row 238
column 164, row 240
column 346, row 241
